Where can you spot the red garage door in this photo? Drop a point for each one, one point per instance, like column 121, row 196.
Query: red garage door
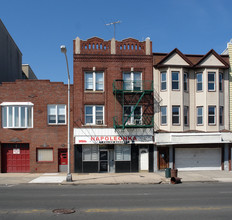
column 15, row 158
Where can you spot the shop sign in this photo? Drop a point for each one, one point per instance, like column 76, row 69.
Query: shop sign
column 109, row 139
column 16, row 151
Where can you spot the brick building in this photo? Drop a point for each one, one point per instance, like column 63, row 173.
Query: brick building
column 33, row 133
column 113, row 105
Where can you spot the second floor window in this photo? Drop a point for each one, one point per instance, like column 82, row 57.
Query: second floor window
column 94, row 81
column 17, row 116
column 163, row 81
column 175, row 115
column 211, row 81
column 94, row 114
column 221, row 116
column 163, row 110
column 186, row 115
column 211, row 115
column 175, row 80
column 56, row 114
column 199, row 82
column 200, row 115
column 133, row 116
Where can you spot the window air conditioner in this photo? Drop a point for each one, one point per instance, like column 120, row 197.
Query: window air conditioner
column 99, row 122
column 138, row 122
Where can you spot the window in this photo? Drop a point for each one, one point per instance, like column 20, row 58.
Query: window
column 163, row 81
column 221, row 115
column 175, row 115
column 94, row 81
column 122, row 152
column 186, row 115
column 45, row 155
column 135, row 116
column 175, row 80
column 94, row 114
column 17, row 115
column 220, row 82
column 163, row 110
column 56, row 114
column 211, row 115
column 132, row 81
column 211, row 81
column 90, row 153
column 199, row 82
column 200, row 115
column 186, row 82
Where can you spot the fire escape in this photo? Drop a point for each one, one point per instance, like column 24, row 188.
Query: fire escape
column 134, row 104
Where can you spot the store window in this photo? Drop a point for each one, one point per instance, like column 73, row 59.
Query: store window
column 90, row 153
column 45, row 155
column 122, row 153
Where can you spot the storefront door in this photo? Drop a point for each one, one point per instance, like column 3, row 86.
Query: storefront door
column 163, row 157
column 104, row 160
column 144, row 159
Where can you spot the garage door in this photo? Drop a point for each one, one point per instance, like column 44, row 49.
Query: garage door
column 15, row 158
column 198, row 158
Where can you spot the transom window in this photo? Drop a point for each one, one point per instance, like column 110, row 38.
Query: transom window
column 17, row 115
column 94, row 81
column 94, row 114
column 211, row 115
column 135, row 117
column 175, row 80
column 132, row 81
column 199, row 82
column 163, row 81
column 163, row 110
column 211, row 81
column 175, row 115
column 199, row 115
column 56, row 114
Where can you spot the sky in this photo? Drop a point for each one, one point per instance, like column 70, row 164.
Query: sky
column 40, row 27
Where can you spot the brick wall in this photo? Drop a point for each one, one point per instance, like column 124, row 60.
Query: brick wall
column 40, row 93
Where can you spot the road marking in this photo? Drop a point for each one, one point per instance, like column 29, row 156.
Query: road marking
column 171, row 209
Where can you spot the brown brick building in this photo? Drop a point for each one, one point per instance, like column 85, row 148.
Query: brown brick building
column 113, row 105
column 33, row 133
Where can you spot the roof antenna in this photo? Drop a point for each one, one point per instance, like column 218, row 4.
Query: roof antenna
column 114, row 23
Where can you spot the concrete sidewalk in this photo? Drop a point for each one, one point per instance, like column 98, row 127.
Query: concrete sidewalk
column 113, row 178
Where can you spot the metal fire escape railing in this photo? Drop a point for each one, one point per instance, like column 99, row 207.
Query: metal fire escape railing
column 137, row 89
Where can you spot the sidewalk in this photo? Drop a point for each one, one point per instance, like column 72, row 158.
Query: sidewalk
column 113, row 178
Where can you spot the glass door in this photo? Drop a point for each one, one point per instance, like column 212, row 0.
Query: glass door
column 104, row 160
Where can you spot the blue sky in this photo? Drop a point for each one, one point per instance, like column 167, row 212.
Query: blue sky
column 39, row 27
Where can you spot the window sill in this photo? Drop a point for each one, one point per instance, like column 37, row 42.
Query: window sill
column 44, row 162
column 15, row 128
column 93, row 125
column 94, row 91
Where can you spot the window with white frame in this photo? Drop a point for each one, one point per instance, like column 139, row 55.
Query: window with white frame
column 163, row 80
column 221, row 115
column 220, row 82
column 199, row 115
column 56, row 114
column 17, row 115
column 94, row 114
column 163, row 110
column 211, row 81
column 186, row 82
column 175, row 115
column 199, row 82
column 133, row 115
column 211, row 115
column 122, row 152
column 175, row 80
column 132, row 81
column 90, row 153
column 94, row 81
column 44, row 155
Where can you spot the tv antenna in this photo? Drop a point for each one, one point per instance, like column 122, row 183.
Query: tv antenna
column 114, row 23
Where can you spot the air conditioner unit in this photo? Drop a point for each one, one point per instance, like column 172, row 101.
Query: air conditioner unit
column 137, row 121
column 99, row 122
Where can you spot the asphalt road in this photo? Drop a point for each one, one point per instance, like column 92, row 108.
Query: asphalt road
column 181, row 201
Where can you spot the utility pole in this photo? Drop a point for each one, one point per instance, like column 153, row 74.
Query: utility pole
column 114, row 23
